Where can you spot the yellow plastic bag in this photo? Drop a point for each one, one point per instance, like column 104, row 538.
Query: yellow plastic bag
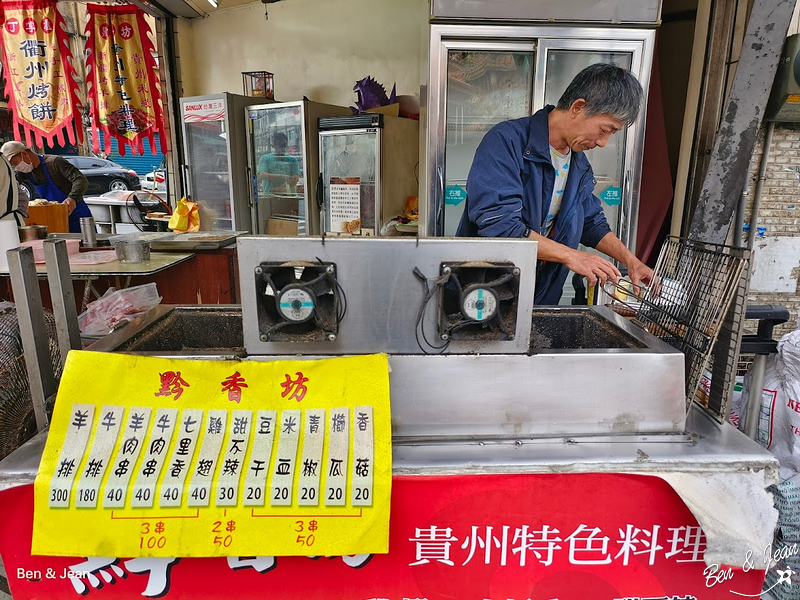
column 194, row 216
column 186, row 217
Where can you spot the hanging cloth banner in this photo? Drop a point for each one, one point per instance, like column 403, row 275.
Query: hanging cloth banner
column 40, row 79
column 125, row 98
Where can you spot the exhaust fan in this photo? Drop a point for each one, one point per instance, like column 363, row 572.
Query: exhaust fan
column 298, row 302
column 478, row 301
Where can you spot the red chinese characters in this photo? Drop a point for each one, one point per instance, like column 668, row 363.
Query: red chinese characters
column 172, row 384
column 294, row 388
column 233, row 385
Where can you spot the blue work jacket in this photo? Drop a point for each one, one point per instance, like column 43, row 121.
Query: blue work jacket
column 509, row 189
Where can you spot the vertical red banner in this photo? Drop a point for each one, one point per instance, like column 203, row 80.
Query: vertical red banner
column 123, row 89
column 40, row 79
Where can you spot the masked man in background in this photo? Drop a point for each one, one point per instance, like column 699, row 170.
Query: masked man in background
column 52, row 177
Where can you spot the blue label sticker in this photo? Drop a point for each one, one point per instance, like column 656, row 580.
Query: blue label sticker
column 611, row 195
column 454, row 194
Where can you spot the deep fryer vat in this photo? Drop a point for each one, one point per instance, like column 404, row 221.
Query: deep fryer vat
column 186, row 329
column 576, row 329
column 208, row 328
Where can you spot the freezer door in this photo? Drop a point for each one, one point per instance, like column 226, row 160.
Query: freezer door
column 475, row 84
column 351, row 173
column 206, row 132
column 484, row 87
column 617, row 166
column 277, row 156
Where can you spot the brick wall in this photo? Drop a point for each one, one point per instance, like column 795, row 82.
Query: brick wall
column 779, row 211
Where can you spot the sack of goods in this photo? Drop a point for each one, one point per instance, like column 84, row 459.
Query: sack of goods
column 779, row 432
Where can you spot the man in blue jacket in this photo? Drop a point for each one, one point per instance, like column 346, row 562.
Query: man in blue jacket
column 531, row 179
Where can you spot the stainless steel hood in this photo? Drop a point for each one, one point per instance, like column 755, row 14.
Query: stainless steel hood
column 572, row 11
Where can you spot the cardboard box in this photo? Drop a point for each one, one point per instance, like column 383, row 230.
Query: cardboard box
column 54, row 216
column 282, row 227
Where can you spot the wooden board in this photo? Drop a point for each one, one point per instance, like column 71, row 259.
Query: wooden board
column 54, row 216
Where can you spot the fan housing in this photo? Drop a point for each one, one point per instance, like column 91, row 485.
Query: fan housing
column 478, row 301
column 297, row 301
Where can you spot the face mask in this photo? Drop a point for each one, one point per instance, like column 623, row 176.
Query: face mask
column 24, row 167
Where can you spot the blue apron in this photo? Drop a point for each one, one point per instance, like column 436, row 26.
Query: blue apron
column 50, row 191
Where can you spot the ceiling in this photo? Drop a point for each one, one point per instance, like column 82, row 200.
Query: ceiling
column 192, row 9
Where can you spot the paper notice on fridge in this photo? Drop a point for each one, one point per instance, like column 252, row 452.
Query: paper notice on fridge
column 345, row 204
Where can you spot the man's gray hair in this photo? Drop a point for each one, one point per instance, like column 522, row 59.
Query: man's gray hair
column 607, row 90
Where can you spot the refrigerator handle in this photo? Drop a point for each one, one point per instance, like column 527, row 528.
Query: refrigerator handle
column 187, row 182
column 623, row 214
column 319, row 192
column 252, row 198
column 250, row 186
column 439, row 216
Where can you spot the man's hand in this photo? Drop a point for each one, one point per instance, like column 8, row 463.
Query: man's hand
column 592, row 267
column 639, row 273
column 70, row 205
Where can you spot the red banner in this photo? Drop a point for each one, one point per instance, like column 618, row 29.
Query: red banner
column 477, row 537
column 40, row 79
column 123, row 87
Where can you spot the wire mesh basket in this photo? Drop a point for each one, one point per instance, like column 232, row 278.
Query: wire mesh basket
column 687, row 301
column 17, row 420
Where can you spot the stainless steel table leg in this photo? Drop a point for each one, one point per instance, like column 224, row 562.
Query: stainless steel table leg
column 757, row 372
column 63, row 297
column 32, row 328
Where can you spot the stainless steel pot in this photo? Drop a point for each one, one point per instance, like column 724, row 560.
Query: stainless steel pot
column 132, row 251
column 32, row 232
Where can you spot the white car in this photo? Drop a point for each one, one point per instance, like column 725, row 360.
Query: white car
column 154, row 181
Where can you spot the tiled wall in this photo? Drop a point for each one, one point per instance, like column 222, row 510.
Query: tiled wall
column 779, row 215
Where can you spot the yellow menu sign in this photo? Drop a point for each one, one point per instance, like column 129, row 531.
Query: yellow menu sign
column 162, row 458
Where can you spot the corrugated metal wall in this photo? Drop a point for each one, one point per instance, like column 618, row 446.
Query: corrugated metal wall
column 141, row 164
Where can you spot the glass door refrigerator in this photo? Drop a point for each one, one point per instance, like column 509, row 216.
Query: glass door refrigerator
column 368, row 166
column 216, row 159
column 283, row 165
column 487, row 71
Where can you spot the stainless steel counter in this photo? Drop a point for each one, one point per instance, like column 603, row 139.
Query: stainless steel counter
column 625, row 382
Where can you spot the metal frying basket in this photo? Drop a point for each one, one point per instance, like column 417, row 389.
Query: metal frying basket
column 17, row 421
column 688, row 300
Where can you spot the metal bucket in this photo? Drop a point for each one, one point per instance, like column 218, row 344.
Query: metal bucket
column 133, row 251
column 32, row 232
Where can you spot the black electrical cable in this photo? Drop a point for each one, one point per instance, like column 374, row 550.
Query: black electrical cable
column 419, row 327
column 344, row 301
column 339, row 316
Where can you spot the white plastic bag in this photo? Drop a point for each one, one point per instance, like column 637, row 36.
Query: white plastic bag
column 116, row 306
column 779, row 418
